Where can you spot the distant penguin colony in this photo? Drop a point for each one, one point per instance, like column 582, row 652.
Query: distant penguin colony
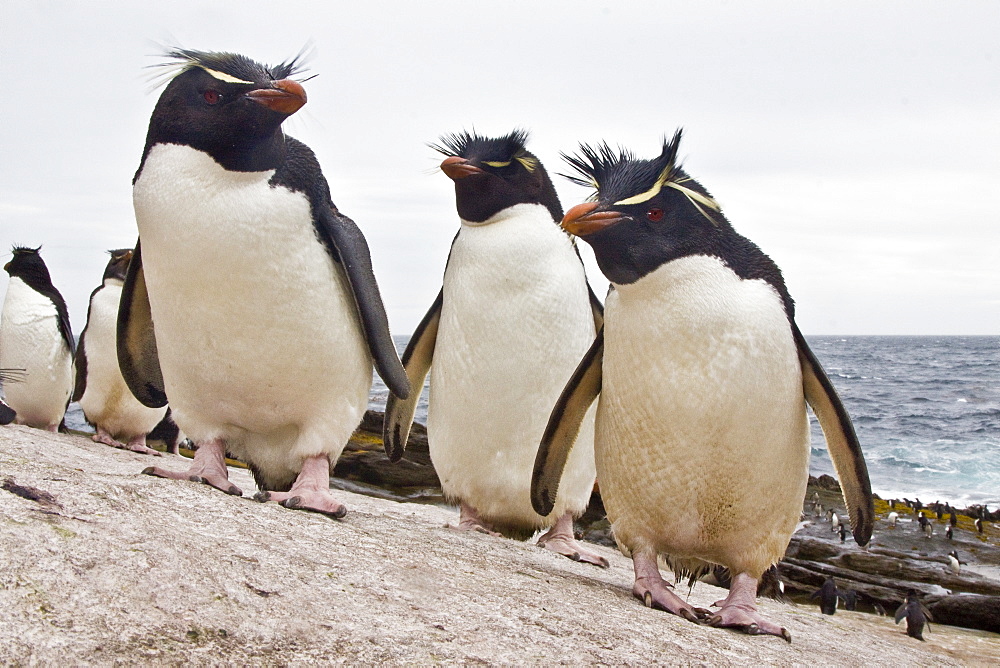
column 37, row 340
column 104, row 397
column 703, row 379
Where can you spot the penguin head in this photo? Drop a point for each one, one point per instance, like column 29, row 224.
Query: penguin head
column 493, row 174
column 27, row 264
column 118, row 264
column 646, row 213
column 228, row 106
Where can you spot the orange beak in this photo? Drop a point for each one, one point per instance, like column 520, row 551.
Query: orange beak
column 582, row 219
column 285, row 96
column 458, row 168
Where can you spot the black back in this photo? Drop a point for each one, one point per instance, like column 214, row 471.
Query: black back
column 214, row 115
column 678, row 219
column 512, row 175
column 27, row 264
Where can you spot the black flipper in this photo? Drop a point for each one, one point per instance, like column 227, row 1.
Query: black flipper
column 564, row 425
column 137, row 356
column 81, row 356
column 841, row 441
column 901, row 612
column 352, row 253
column 417, row 360
column 597, row 307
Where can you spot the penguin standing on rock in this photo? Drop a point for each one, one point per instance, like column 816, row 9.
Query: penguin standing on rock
column 703, row 378
column 104, row 397
column 250, row 300
column 35, row 336
column 915, row 614
column 827, row 595
column 511, row 322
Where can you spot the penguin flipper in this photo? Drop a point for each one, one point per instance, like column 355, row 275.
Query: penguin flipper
column 900, row 612
column 597, row 308
column 137, row 356
column 841, row 441
column 352, row 252
column 416, row 360
column 80, row 361
column 564, row 425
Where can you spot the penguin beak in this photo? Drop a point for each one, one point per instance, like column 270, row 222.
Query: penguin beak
column 583, row 219
column 456, row 168
column 6, row 267
column 285, row 96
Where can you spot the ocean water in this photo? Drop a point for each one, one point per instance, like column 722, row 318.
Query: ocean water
column 926, row 410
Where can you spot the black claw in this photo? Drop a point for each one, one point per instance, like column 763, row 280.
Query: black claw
column 343, row 511
column 702, row 613
column 786, row 635
column 234, row 491
column 197, row 478
column 149, row 470
column 690, row 615
column 292, row 502
column 262, row 497
column 714, row 620
column 574, row 557
column 647, row 598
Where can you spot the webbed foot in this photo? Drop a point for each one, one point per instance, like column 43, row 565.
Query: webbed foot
column 469, row 520
column 739, row 610
column 654, row 592
column 560, row 540
column 310, row 491
column 208, row 467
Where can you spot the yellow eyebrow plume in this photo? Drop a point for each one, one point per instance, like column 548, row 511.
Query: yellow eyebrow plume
column 222, row 76
column 497, row 164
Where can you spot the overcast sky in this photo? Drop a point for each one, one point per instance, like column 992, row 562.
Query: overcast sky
column 857, row 143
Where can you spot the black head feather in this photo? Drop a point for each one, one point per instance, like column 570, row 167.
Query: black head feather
column 472, row 146
column 235, row 65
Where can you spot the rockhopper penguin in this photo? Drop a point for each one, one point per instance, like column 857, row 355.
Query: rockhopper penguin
column 104, row 397
column 703, row 379
column 512, row 319
column 36, row 339
column 250, row 300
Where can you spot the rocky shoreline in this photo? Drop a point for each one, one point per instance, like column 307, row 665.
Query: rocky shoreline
column 103, row 565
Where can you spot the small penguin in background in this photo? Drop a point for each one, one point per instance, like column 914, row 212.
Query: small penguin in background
column 953, row 519
column 513, row 318
column 893, row 518
column 703, row 379
column 850, row 599
column 827, row 595
column 949, row 532
column 925, row 525
column 954, row 563
column 250, row 299
column 916, row 616
column 7, row 414
column 979, row 524
column 842, row 528
column 35, row 335
column 834, row 522
column 120, row 419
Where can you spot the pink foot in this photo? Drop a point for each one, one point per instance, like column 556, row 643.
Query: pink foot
column 560, row 540
column 138, row 444
column 469, row 520
column 207, row 467
column 310, row 491
column 739, row 610
column 651, row 589
column 107, row 439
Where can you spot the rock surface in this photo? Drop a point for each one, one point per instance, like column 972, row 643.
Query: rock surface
column 101, row 565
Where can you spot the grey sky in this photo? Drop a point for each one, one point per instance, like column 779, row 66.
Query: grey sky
column 857, row 143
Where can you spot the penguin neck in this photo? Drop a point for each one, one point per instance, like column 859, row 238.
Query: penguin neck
column 260, row 155
column 517, row 211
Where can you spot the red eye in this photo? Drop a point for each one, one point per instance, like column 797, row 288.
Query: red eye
column 654, row 214
column 211, row 96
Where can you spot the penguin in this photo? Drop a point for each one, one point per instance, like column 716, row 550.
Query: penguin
column 834, row 521
column 916, row 615
column 979, row 524
column 105, row 399
column 35, row 335
column 827, row 595
column 850, row 599
column 893, row 518
column 703, row 378
column 511, row 321
column 842, row 528
column 949, row 532
column 925, row 525
column 954, row 563
column 952, row 519
column 250, row 299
